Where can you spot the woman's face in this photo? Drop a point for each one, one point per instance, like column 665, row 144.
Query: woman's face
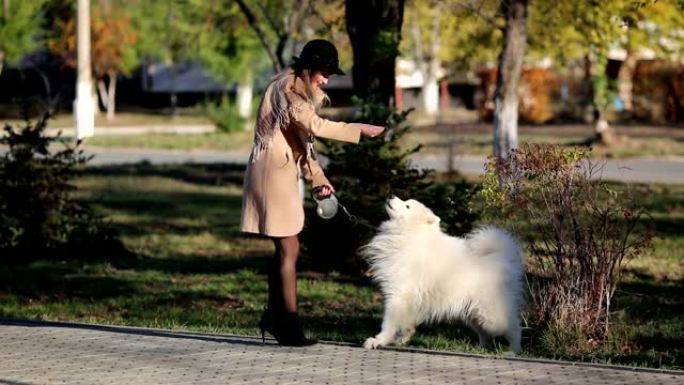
column 319, row 78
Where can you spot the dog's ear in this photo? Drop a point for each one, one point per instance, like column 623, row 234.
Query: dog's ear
column 432, row 218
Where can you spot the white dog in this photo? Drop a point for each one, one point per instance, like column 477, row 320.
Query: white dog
column 427, row 275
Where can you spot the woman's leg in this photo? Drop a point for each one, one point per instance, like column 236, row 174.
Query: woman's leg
column 281, row 319
column 282, row 282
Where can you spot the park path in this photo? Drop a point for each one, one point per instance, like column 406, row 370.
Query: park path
column 66, row 353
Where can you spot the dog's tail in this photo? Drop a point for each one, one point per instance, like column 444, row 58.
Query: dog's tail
column 493, row 241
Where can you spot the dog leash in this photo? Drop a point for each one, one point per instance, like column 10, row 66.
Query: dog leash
column 354, row 219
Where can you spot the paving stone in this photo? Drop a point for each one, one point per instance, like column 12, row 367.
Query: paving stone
column 65, row 353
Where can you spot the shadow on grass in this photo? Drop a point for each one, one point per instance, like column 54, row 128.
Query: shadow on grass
column 352, row 328
column 655, row 305
column 213, row 174
column 162, row 211
column 668, row 227
column 648, row 298
column 197, row 265
column 136, row 287
column 60, row 281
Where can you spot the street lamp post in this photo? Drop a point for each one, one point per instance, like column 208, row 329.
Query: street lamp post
column 84, row 108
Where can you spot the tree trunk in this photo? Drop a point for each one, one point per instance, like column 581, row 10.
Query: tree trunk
column 173, row 96
column 374, row 28
column 604, row 134
column 102, row 92
column 428, row 61
column 111, row 95
column 244, row 95
column 508, row 77
column 85, row 105
column 625, row 81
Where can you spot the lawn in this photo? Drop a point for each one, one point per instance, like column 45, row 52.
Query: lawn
column 192, row 270
column 121, row 119
column 216, row 141
column 467, row 139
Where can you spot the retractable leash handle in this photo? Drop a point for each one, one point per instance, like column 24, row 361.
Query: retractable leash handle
column 326, row 206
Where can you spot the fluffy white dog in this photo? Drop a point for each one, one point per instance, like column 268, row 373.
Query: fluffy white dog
column 426, row 275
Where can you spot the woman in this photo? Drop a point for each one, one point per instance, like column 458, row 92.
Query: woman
column 286, row 127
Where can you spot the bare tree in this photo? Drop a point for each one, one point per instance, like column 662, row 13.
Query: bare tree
column 277, row 24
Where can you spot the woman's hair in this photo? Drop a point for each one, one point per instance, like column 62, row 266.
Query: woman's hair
column 314, row 95
column 274, row 107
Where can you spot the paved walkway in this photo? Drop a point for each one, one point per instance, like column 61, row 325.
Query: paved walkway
column 64, row 353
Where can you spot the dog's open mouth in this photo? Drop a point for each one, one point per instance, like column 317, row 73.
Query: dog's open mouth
column 388, row 205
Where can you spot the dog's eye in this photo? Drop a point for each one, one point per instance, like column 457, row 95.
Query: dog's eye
column 407, row 206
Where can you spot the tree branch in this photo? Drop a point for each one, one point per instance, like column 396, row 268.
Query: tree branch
column 475, row 7
column 292, row 24
column 278, row 31
column 261, row 34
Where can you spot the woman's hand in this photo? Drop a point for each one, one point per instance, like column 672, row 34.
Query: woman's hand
column 324, row 190
column 371, row 131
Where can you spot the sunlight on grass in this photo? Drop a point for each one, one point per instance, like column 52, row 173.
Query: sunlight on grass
column 132, row 119
column 464, row 143
column 218, row 141
column 481, row 144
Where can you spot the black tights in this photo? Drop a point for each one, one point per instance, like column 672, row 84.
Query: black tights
column 282, row 279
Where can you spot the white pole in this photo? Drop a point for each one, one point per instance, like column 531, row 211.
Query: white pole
column 84, row 108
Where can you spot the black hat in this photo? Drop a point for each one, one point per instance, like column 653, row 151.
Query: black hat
column 319, row 54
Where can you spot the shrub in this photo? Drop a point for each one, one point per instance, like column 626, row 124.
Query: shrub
column 364, row 175
column 225, row 115
column 38, row 212
column 579, row 230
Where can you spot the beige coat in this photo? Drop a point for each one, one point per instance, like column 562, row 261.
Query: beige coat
column 271, row 201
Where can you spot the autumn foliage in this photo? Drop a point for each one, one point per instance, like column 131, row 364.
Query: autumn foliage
column 659, row 91
column 112, row 49
column 536, row 92
column 111, row 39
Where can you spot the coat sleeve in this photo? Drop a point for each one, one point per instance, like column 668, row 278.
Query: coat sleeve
column 313, row 173
column 305, row 117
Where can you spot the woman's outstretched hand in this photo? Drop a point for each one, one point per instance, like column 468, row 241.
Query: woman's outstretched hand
column 371, row 131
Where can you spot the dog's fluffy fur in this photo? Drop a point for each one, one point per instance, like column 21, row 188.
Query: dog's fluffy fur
column 426, row 275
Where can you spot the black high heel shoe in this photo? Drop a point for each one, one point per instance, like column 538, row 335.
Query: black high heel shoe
column 265, row 324
column 286, row 330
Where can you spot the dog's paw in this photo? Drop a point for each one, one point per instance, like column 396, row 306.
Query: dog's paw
column 371, row 343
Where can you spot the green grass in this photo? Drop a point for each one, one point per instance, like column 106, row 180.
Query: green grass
column 132, row 119
column 434, row 143
column 193, row 270
column 468, row 138
column 481, row 144
column 217, row 141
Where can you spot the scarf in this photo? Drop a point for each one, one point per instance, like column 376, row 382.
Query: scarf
column 280, row 100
